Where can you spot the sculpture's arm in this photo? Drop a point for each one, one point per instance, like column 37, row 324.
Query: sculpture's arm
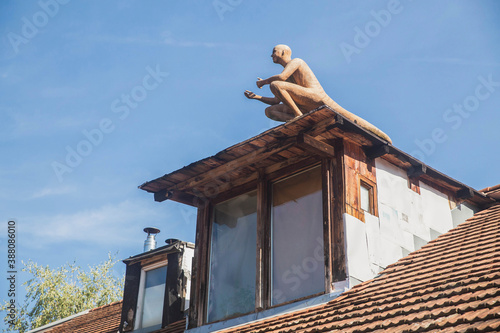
column 267, row 100
column 290, row 68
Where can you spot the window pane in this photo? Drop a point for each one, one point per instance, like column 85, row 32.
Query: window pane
column 298, row 268
column 233, row 258
column 365, row 198
column 154, row 293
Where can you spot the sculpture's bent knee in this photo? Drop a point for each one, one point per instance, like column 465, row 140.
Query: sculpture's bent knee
column 276, row 85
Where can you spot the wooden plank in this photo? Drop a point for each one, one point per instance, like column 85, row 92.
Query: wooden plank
column 338, row 193
column 253, row 157
column 314, row 146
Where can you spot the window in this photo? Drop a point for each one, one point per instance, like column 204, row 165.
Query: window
column 366, row 197
column 233, row 258
column 297, row 237
column 289, row 252
column 151, row 296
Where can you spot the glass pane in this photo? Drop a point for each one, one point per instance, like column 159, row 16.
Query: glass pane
column 233, row 258
column 154, row 294
column 298, row 268
column 365, row 198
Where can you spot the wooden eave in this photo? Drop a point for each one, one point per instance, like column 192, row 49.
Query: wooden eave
column 310, row 136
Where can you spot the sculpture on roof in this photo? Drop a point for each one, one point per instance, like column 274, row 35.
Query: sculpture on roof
column 297, row 91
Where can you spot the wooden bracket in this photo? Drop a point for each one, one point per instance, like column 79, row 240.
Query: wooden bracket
column 416, row 170
column 465, row 193
column 314, row 146
column 376, row 151
column 177, row 196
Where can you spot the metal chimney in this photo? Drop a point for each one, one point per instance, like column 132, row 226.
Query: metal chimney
column 150, row 242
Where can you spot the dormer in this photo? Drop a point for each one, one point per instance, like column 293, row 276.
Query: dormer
column 298, row 214
column 157, row 286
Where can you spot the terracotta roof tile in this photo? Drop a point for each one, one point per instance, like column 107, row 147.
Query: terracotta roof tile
column 104, row 319
column 450, row 285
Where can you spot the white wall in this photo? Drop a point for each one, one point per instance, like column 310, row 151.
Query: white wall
column 407, row 221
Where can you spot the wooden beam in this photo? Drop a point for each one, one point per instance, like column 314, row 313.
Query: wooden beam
column 376, row 151
column 314, row 146
column 416, row 170
column 338, row 208
column 465, row 193
column 177, row 196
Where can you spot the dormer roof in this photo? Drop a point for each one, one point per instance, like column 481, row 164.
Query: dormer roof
column 312, row 134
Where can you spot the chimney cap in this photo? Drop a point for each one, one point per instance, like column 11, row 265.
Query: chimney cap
column 171, row 241
column 151, row 230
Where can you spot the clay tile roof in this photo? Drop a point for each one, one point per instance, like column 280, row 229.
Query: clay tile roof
column 104, row 319
column 450, row 285
column 493, row 191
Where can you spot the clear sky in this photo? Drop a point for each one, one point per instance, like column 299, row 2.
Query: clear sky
column 97, row 97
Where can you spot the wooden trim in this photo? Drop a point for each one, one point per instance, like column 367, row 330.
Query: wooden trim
column 414, row 184
column 198, row 272
column 339, row 205
column 234, row 192
column 261, row 264
column 290, row 170
column 326, row 181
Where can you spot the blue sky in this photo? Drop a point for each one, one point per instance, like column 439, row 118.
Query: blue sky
column 157, row 85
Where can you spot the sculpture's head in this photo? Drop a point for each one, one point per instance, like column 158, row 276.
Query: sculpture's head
column 281, row 52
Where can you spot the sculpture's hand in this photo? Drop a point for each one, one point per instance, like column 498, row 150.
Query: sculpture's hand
column 260, row 82
column 251, row 95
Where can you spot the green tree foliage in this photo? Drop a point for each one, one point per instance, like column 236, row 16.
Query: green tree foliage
column 53, row 294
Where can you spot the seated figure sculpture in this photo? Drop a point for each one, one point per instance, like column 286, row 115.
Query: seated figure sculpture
column 297, row 91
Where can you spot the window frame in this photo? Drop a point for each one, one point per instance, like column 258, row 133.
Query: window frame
column 140, row 296
column 223, row 198
column 263, row 187
column 372, row 195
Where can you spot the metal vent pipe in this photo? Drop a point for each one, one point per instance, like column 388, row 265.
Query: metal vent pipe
column 150, row 242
